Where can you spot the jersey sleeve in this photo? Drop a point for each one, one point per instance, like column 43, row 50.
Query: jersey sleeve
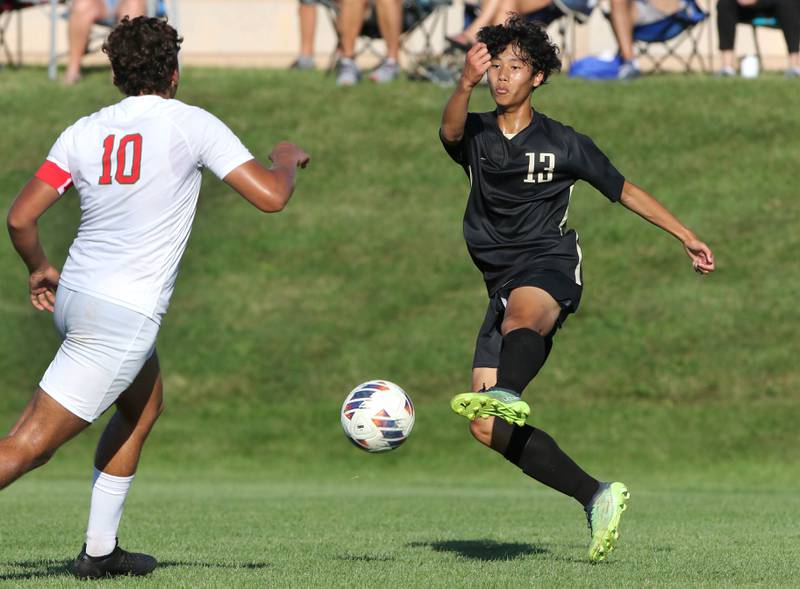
column 459, row 151
column 219, row 149
column 592, row 165
column 55, row 170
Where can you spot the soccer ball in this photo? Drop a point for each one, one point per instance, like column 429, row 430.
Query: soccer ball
column 377, row 416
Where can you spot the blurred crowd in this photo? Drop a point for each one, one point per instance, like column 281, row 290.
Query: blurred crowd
column 388, row 18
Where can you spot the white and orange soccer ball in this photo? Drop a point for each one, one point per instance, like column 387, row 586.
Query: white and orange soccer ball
column 377, row 416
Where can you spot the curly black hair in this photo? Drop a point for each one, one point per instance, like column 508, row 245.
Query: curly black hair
column 529, row 40
column 143, row 54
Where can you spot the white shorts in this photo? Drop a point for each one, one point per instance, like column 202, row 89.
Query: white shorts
column 104, row 348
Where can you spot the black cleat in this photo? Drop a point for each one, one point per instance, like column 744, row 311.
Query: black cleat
column 119, row 562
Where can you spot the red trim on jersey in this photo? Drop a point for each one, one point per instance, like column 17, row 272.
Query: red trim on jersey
column 52, row 174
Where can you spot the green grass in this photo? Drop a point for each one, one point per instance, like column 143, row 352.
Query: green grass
column 684, row 387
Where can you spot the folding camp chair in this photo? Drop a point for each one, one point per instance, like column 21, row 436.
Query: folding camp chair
column 662, row 36
column 8, row 9
column 422, row 16
column 762, row 21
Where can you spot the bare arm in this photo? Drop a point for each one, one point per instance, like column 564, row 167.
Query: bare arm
column 269, row 189
column 646, row 206
column 31, row 203
column 454, row 116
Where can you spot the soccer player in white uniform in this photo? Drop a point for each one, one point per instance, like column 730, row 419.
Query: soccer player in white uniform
column 136, row 166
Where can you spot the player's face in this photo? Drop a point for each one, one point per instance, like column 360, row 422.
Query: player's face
column 511, row 80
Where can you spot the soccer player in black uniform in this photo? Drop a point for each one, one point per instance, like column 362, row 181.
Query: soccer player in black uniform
column 522, row 167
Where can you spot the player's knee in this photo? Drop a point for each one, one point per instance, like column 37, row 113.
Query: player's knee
column 481, row 429
column 32, row 452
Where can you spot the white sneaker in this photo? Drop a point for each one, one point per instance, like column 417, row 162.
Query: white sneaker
column 347, row 73
column 386, row 72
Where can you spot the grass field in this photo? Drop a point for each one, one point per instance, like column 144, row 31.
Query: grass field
column 685, row 388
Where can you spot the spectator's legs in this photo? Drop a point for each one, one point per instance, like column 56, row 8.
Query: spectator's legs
column 788, row 13
column 131, row 8
column 308, row 27
column 486, row 16
column 622, row 24
column 727, row 16
column 351, row 19
column 82, row 16
column 390, row 24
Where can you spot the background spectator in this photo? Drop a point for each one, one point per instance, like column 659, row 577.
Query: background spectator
column 82, row 15
column 731, row 12
column 390, row 24
column 307, row 12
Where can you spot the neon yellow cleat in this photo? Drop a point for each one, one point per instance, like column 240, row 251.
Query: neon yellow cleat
column 498, row 403
column 603, row 514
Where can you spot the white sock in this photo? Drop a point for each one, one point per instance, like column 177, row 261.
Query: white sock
column 108, row 499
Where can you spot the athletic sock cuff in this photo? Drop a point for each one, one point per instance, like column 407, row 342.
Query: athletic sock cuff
column 111, row 484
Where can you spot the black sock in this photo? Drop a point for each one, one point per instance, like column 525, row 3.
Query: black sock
column 522, row 354
column 538, row 455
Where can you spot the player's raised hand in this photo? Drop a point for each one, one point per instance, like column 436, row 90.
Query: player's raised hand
column 700, row 254
column 476, row 65
column 289, row 154
column 43, row 283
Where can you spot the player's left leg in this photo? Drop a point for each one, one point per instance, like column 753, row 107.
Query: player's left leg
column 116, row 460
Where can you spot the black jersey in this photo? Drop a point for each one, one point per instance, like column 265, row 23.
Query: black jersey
column 520, row 189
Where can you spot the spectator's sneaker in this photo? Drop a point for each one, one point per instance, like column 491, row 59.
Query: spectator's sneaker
column 119, row 562
column 628, row 71
column 347, row 73
column 603, row 514
column 304, row 62
column 386, row 72
column 792, row 72
column 581, row 9
column 495, row 402
column 726, row 72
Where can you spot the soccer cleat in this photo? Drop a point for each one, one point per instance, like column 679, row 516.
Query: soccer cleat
column 119, row 562
column 603, row 514
column 494, row 402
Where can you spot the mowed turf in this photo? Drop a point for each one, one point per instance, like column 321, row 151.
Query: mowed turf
column 684, row 387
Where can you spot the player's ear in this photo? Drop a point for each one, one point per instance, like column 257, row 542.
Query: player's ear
column 176, row 77
column 537, row 80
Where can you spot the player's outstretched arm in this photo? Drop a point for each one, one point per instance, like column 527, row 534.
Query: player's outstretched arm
column 31, row 203
column 455, row 111
column 269, row 189
column 646, row 206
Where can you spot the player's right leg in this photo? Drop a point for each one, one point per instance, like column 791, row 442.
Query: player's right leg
column 528, row 316
column 44, row 426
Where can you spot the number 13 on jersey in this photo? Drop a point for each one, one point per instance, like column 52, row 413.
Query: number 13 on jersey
column 549, row 161
column 128, row 160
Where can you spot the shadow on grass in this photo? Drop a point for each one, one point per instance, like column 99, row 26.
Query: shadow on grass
column 39, row 569
column 482, row 549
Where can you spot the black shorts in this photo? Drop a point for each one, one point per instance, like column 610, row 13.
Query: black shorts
column 560, row 286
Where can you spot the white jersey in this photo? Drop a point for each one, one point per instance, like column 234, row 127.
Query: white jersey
column 137, row 168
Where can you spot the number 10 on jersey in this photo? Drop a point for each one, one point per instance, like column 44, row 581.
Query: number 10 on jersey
column 125, row 174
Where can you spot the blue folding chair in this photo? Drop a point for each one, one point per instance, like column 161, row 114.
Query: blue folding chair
column 671, row 33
